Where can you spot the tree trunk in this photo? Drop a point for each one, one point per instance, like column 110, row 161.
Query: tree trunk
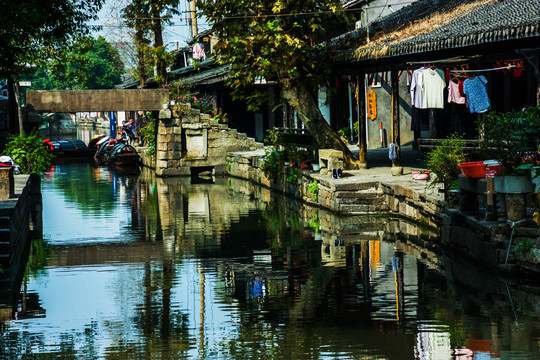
column 161, row 69
column 19, row 109
column 301, row 100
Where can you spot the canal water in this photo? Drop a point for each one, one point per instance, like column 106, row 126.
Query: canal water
column 136, row 267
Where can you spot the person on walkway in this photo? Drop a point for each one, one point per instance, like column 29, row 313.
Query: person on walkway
column 129, row 129
column 122, row 135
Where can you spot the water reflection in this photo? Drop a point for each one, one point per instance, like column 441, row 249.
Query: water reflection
column 137, row 267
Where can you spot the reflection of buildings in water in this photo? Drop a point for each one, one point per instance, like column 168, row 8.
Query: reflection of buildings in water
column 432, row 342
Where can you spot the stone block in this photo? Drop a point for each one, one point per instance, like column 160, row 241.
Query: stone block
column 161, row 164
column 177, row 130
column 233, row 132
column 334, row 163
column 213, row 122
column 396, row 170
column 330, row 153
column 162, row 130
column 7, row 183
column 242, row 136
column 162, row 155
column 165, row 114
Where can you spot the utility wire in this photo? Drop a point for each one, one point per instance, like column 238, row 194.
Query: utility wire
column 290, row 14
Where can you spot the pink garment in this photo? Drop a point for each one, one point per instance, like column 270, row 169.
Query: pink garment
column 198, row 52
column 454, row 94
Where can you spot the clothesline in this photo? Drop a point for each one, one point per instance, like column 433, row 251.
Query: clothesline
column 491, row 69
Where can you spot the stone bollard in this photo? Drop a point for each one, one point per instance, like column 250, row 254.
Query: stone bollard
column 7, row 183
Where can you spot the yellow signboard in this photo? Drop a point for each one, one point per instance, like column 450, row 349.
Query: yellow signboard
column 371, row 104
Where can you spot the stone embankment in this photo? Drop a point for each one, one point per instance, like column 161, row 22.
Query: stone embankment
column 372, row 191
column 189, row 143
column 20, row 216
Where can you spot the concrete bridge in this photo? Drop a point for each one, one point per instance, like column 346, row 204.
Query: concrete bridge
column 70, row 101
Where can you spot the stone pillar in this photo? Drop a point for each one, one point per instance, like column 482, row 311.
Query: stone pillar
column 168, row 144
column 7, row 183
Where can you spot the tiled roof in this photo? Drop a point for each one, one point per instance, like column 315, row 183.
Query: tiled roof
column 211, row 76
column 456, row 24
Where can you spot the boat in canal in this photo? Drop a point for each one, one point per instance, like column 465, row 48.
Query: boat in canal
column 75, row 148
column 117, row 153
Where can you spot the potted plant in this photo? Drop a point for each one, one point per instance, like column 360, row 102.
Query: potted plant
column 443, row 162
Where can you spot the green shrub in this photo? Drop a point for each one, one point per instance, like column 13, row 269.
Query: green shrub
column 29, row 153
column 271, row 165
column 147, row 132
column 314, row 188
column 443, row 161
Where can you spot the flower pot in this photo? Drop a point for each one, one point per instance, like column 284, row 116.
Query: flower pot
column 513, row 184
column 420, row 175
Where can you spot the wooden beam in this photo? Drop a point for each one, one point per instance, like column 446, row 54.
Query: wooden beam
column 395, row 116
column 69, row 101
column 361, row 116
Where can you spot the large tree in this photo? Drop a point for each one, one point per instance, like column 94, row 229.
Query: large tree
column 282, row 40
column 90, row 64
column 147, row 17
column 35, row 31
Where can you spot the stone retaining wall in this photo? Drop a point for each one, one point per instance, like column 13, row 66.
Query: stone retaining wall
column 188, row 139
column 20, row 217
column 485, row 242
column 343, row 196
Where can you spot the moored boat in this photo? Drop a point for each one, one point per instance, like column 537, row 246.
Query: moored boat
column 112, row 152
column 69, row 148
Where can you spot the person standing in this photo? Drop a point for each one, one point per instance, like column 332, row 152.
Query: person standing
column 131, row 132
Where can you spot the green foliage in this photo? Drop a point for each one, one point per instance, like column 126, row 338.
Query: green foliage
column 38, row 257
column 345, row 133
column 28, row 152
column 524, row 245
column 513, row 138
column 147, row 18
column 314, row 223
column 271, row 165
column 220, row 116
column 202, row 102
column 270, row 43
column 314, row 189
column 90, row 64
column 36, row 32
column 443, row 161
column 294, row 176
column 285, row 149
column 147, row 131
column 356, row 124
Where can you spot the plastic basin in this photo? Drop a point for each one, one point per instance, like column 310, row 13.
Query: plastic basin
column 474, row 169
